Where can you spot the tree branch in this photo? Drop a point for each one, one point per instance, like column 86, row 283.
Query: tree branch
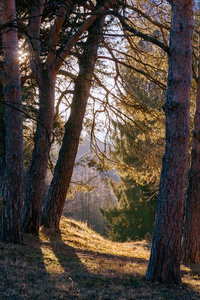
column 144, row 36
column 151, row 78
column 69, row 45
column 68, row 74
column 140, row 12
column 34, row 31
column 55, row 31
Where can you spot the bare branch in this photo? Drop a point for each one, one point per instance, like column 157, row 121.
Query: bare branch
column 69, row 45
column 151, row 78
column 144, row 36
column 68, row 74
column 140, row 12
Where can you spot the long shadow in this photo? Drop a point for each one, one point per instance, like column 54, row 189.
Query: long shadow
column 22, row 270
column 81, row 283
column 77, row 277
column 192, row 270
column 56, row 284
column 23, row 274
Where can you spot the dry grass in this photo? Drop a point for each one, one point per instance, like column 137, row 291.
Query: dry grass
column 80, row 264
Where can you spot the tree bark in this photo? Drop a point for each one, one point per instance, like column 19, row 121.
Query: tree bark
column 164, row 263
column 2, row 142
column 13, row 201
column 191, row 237
column 45, row 75
column 63, row 171
column 38, row 168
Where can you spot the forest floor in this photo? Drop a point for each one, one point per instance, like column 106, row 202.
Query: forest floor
column 80, row 264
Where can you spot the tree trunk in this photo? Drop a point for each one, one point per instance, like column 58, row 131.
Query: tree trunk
column 164, row 263
column 13, row 201
column 2, row 143
column 38, row 168
column 63, row 171
column 2, row 151
column 191, row 237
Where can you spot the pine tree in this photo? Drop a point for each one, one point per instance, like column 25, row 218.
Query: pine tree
column 136, row 192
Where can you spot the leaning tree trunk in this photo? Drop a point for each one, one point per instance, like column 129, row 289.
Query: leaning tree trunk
column 13, row 201
column 63, row 171
column 164, row 263
column 38, row 168
column 191, row 237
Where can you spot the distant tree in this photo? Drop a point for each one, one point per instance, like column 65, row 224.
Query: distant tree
column 89, row 189
column 13, row 194
column 136, row 192
column 164, row 263
column 134, row 216
column 137, row 140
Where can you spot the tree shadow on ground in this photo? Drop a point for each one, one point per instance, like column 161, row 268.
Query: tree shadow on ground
column 94, row 275
column 22, row 271
column 191, row 275
column 51, row 269
column 88, row 273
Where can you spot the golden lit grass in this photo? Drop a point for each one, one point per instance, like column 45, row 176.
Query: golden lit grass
column 78, row 235
column 77, row 263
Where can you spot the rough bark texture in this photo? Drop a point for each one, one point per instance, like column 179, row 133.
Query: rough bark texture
column 191, row 238
column 164, row 263
column 45, row 78
column 13, row 201
column 38, row 168
column 2, row 143
column 2, row 152
column 45, row 75
column 63, row 171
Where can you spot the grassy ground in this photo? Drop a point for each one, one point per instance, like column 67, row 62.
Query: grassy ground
column 80, row 264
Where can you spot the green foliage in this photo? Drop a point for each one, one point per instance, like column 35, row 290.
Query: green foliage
column 137, row 152
column 137, row 149
column 135, row 214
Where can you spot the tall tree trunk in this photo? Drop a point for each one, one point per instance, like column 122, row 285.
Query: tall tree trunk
column 164, row 263
column 2, row 142
column 53, row 62
column 38, row 168
column 63, row 171
column 191, row 237
column 13, row 201
column 2, row 151
column 45, row 77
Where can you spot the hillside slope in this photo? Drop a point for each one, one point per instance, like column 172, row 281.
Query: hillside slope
column 77, row 263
